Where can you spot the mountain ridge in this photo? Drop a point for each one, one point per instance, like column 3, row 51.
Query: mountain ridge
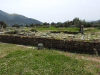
column 16, row 19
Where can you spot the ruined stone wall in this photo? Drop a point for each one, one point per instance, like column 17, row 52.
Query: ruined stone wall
column 68, row 32
column 51, row 42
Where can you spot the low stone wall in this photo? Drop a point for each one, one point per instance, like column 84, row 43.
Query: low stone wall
column 82, row 45
column 68, row 32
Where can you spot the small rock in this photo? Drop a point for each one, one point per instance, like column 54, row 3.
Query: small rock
column 71, row 35
column 44, row 34
column 40, row 46
column 64, row 37
column 92, row 33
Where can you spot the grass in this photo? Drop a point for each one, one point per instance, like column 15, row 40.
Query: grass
column 16, row 60
column 50, row 28
column 24, row 61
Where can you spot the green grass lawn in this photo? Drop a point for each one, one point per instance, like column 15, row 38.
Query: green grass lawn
column 18, row 60
column 53, row 28
column 50, row 28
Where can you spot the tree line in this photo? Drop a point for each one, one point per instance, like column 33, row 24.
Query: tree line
column 76, row 22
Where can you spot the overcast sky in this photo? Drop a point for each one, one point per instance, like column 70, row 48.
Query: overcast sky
column 53, row 10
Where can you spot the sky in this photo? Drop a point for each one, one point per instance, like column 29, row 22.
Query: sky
column 53, row 10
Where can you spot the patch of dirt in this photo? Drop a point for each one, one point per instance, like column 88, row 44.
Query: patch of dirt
column 3, row 55
column 81, row 56
column 25, row 46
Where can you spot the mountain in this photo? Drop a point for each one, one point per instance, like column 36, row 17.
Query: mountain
column 16, row 19
column 92, row 21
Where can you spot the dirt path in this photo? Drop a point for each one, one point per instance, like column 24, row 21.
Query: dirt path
column 81, row 56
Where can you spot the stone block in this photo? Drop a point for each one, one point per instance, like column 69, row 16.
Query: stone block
column 64, row 37
column 44, row 34
column 34, row 30
column 92, row 33
column 71, row 35
column 40, row 46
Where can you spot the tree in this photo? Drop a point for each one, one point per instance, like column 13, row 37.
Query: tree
column 52, row 24
column 45, row 23
column 26, row 25
column 75, row 19
column 17, row 26
column 21, row 25
column 31, row 25
column 36, row 24
column 91, row 24
column 3, row 24
column 84, row 23
column 67, row 23
column 48, row 24
column 56, row 25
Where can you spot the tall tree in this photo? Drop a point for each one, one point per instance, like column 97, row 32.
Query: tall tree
column 3, row 24
column 75, row 19
column 36, row 24
column 45, row 23
column 52, row 24
column 26, row 25
column 31, row 25
column 59, row 24
column 18, row 26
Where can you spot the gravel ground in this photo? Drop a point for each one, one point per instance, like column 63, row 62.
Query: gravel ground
column 58, row 35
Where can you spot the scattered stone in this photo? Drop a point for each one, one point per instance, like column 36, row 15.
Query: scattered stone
column 89, row 38
column 96, row 39
column 47, row 33
column 2, row 32
column 82, row 37
column 22, row 30
column 31, row 34
column 16, row 31
column 21, row 33
column 28, row 31
column 11, row 29
column 40, row 46
column 25, row 34
column 29, row 47
column 71, row 35
column 40, row 35
column 92, row 33
column 34, row 30
column 52, row 36
column 44, row 34
column 64, row 37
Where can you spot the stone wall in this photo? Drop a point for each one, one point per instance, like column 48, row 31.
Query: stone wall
column 82, row 45
column 68, row 32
